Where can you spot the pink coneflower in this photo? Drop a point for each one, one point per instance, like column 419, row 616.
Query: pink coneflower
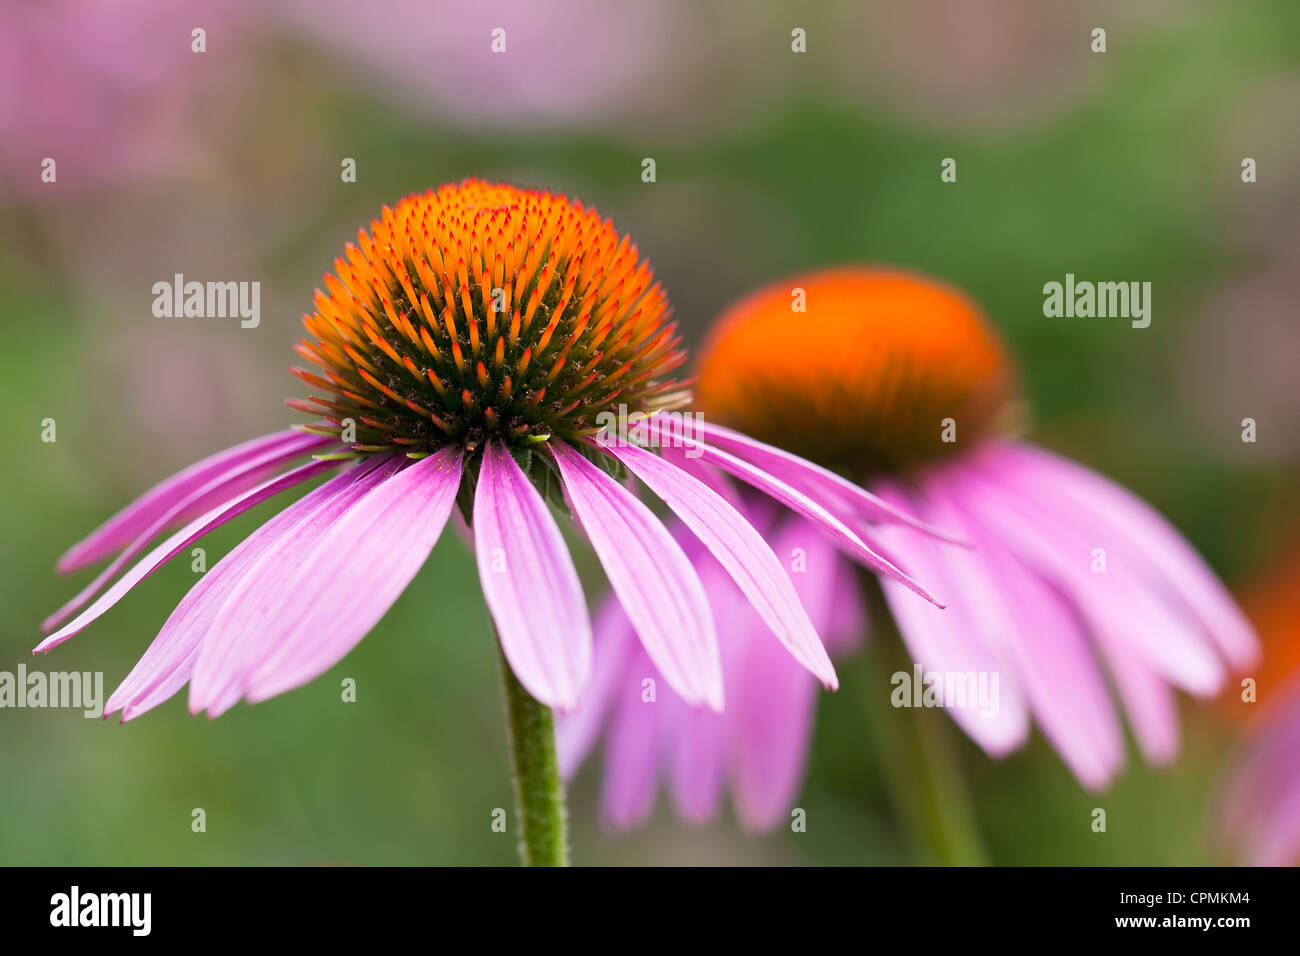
column 1072, row 591
column 1256, row 818
column 110, row 94
column 1259, row 812
column 468, row 347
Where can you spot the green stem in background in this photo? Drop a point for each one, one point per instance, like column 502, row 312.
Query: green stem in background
column 539, row 791
column 920, row 767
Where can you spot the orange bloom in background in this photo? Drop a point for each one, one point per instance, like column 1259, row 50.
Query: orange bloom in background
column 1272, row 603
column 860, row 380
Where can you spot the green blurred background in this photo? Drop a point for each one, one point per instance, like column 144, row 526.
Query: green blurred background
column 226, row 165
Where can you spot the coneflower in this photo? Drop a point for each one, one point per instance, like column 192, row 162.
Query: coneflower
column 1255, row 818
column 465, row 350
column 1257, row 808
column 1070, row 588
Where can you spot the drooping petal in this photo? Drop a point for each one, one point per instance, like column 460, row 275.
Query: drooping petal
column 222, row 649
column 127, row 524
column 530, row 583
column 1160, row 552
column 714, row 477
column 178, row 542
column 740, row 549
column 696, row 752
column 810, row 478
column 220, row 490
column 338, row 588
column 613, row 644
column 773, row 732
column 167, row 665
column 826, row 582
column 696, row 742
column 1042, row 637
column 631, row 752
column 1148, row 699
column 651, row 576
column 955, row 642
column 1058, row 543
column 812, row 510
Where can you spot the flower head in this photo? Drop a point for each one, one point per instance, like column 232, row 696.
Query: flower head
column 471, row 340
column 858, row 381
column 482, row 311
column 1070, row 592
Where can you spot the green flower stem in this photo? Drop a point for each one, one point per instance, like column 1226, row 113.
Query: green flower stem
column 539, row 791
column 920, row 767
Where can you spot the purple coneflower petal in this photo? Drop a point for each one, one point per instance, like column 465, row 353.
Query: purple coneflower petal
column 631, row 751
column 696, row 757
column 127, row 524
column 168, row 664
column 218, row 491
column 236, row 633
column 339, row 588
column 651, row 576
column 530, row 583
column 773, row 726
column 1042, row 635
column 1140, row 529
column 696, row 741
column 613, row 642
column 1058, row 541
column 953, row 641
column 712, row 477
column 801, row 503
column 812, row 479
column 826, row 582
column 1148, row 699
column 740, row 549
column 177, row 542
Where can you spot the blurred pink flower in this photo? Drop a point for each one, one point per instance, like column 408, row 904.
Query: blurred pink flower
column 1259, row 814
column 1066, row 575
column 106, row 90
column 1256, row 811
column 564, row 62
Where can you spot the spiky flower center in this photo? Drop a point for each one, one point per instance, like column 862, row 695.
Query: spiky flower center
column 482, row 310
column 881, row 371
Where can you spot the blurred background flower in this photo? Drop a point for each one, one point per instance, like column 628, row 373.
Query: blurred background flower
column 569, row 63
column 757, row 747
column 109, row 92
column 226, row 165
column 1256, row 818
